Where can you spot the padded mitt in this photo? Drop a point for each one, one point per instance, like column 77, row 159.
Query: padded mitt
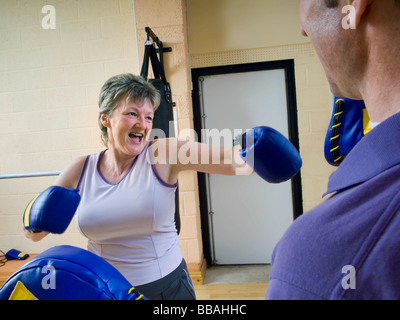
column 68, row 273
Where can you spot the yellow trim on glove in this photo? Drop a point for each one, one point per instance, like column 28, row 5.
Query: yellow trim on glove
column 28, row 211
column 20, row 292
column 366, row 122
column 133, row 289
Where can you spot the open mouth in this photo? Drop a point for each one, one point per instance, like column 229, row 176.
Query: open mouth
column 136, row 137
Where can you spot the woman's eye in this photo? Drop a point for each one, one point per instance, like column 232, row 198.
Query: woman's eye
column 132, row 114
column 150, row 118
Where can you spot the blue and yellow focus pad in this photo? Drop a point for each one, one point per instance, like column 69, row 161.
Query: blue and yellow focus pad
column 52, row 210
column 349, row 123
column 16, row 254
column 68, row 273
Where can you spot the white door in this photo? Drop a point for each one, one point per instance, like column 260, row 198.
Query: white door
column 249, row 215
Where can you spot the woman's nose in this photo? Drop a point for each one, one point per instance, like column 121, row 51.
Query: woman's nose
column 140, row 123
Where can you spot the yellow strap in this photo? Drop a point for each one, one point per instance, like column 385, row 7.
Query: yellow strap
column 335, row 137
column 132, row 289
column 336, row 125
column 339, row 113
column 338, row 159
column 334, row 148
column 21, row 254
column 28, row 211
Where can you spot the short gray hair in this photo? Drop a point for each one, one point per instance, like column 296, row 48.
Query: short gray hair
column 131, row 87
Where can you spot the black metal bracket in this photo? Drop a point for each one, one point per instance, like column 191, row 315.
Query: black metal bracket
column 159, row 43
column 168, row 49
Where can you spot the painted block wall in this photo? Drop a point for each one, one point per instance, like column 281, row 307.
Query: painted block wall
column 50, row 80
column 228, row 32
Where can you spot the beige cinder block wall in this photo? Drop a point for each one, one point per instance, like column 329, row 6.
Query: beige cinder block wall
column 167, row 19
column 228, row 32
column 49, row 85
column 50, row 79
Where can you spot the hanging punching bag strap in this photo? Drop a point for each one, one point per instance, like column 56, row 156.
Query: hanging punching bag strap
column 145, row 66
column 159, row 74
column 158, row 70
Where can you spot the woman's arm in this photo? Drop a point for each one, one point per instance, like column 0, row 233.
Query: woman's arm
column 172, row 156
column 68, row 178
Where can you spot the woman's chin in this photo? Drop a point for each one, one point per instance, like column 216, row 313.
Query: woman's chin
column 137, row 148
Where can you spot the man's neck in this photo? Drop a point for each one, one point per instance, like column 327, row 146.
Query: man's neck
column 382, row 98
column 381, row 86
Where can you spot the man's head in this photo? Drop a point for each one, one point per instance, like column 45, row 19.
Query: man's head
column 335, row 3
column 350, row 56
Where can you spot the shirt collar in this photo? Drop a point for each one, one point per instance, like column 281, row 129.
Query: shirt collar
column 378, row 151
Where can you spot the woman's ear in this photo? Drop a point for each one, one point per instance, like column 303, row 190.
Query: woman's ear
column 105, row 121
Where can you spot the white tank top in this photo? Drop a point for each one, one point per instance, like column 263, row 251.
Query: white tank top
column 131, row 223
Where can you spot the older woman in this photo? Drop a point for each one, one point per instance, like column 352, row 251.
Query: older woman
column 128, row 190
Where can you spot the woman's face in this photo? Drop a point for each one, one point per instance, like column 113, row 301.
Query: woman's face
column 129, row 126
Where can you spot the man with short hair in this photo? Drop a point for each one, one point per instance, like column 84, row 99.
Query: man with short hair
column 348, row 246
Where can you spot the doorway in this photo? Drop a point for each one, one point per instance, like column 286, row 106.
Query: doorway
column 243, row 217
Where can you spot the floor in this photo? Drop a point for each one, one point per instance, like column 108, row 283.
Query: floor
column 237, row 274
column 235, row 282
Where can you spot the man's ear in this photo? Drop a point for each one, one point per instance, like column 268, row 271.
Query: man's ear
column 360, row 6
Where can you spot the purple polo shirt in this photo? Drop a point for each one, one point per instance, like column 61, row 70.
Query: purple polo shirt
column 348, row 247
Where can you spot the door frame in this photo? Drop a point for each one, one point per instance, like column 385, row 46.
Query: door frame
column 288, row 66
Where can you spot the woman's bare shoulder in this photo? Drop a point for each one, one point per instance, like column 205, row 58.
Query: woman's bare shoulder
column 69, row 177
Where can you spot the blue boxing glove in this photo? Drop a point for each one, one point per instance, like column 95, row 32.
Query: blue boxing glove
column 52, row 210
column 270, row 154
